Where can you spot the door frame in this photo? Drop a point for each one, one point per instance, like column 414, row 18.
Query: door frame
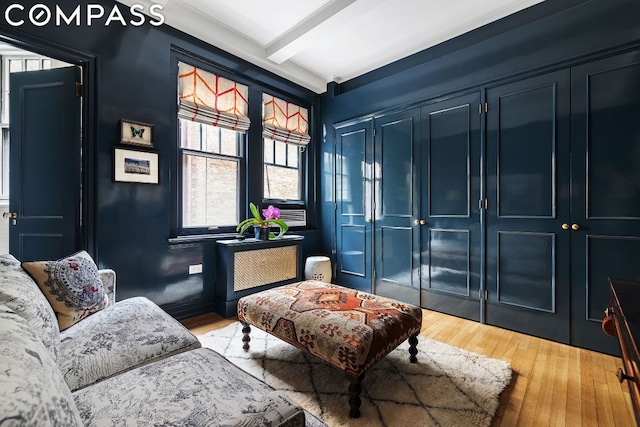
column 88, row 116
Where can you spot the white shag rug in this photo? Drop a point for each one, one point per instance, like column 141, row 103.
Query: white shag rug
column 447, row 387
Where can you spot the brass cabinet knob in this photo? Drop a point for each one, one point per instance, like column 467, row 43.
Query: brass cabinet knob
column 416, row 222
column 565, row 226
column 423, row 222
column 368, row 220
column 575, row 227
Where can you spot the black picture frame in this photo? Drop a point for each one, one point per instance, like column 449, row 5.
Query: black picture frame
column 136, row 133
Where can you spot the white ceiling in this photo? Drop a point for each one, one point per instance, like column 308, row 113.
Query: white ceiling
column 313, row 42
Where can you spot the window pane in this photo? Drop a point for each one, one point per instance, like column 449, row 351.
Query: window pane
column 268, row 151
column 281, row 153
column 210, row 192
column 46, row 64
column 294, row 154
column 189, row 134
column 229, row 143
column 15, row 65
column 211, row 139
column 281, row 183
column 33, row 64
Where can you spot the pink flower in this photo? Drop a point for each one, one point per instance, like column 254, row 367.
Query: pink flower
column 271, row 213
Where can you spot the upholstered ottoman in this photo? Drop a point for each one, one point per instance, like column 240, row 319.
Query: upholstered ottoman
column 350, row 329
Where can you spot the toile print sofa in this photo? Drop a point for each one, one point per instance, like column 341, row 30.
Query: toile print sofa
column 71, row 356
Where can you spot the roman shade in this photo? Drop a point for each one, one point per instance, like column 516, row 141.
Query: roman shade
column 284, row 121
column 210, row 99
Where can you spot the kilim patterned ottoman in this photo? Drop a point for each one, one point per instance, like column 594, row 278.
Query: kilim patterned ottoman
column 350, row 329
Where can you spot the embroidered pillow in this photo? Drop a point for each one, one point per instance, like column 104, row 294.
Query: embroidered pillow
column 72, row 285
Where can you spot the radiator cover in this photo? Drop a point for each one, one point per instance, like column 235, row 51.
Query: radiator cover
column 243, row 267
column 255, row 268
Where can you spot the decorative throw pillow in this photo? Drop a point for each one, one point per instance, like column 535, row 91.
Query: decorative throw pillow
column 72, row 285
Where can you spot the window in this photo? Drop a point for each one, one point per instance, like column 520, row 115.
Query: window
column 213, row 120
column 282, row 172
column 211, row 165
column 284, row 131
column 223, row 160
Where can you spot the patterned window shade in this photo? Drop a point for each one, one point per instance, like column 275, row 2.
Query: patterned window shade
column 284, row 121
column 210, row 99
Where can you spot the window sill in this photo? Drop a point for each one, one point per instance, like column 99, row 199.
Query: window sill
column 197, row 239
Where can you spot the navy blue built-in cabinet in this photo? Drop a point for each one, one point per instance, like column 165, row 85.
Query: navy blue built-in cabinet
column 354, row 205
column 510, row 204
column 527, row 250
column 605, row 192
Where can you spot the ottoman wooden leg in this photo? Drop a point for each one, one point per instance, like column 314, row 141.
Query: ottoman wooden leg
column 413, row 349
column 355, row 387
column 246, row 330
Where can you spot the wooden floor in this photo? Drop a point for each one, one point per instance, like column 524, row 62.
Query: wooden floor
column 552, row 385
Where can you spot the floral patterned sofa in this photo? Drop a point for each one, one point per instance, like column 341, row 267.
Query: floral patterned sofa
column 129, row 363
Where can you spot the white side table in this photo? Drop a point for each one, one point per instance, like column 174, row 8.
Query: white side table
column 318, row 268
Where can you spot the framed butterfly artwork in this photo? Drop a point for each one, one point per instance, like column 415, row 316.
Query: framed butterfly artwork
column 136, row 133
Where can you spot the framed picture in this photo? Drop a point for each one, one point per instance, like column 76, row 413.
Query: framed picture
column 136, row 133
column 135, row 166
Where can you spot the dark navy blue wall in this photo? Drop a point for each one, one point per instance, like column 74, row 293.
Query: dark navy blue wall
column 128, row 225
column 550, row 35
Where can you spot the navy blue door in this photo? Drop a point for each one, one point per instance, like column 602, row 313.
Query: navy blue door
column 354, row 210
column 528, row 192
column 44, row 181
column 451, row 241
column 605, row 221
column 396, row 216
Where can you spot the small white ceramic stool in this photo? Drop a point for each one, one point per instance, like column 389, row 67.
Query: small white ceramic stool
column 318, row 268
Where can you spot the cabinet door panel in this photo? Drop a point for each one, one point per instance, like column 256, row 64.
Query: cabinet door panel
column 353, row 250
column 449, row 261
column 526, row 151
column 606, row 189
column 394, row 156
column 451, row 238
column 527, row 280
column 396, row 206
column 353, row 205
column 396, row 262
column 528, row 189
column 602, row 264
column 449, row 140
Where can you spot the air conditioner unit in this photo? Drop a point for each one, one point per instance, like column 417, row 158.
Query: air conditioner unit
column 294, row 217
